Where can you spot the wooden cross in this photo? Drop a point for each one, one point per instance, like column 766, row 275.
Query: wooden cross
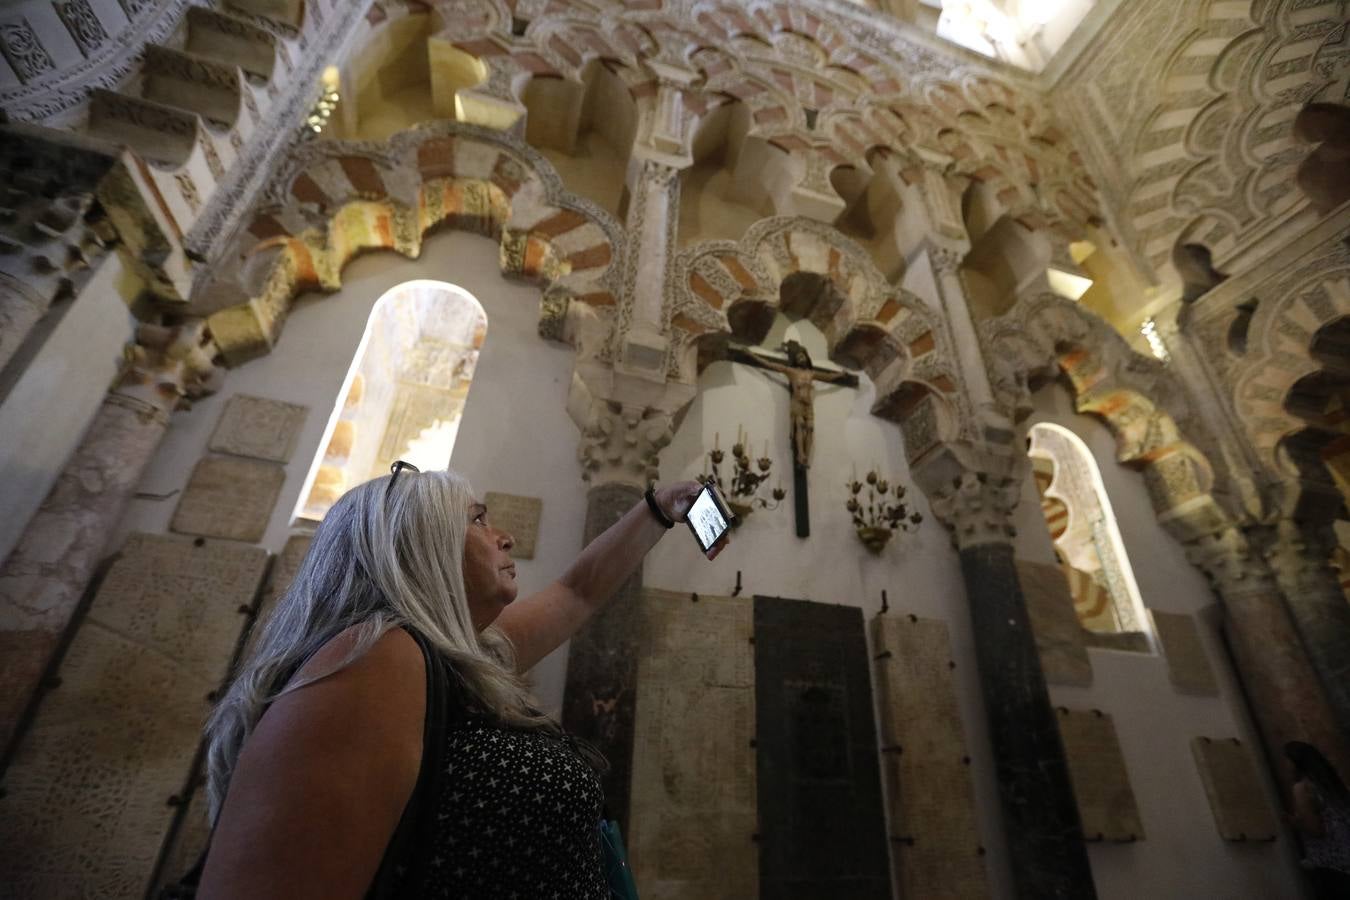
column 801, row 384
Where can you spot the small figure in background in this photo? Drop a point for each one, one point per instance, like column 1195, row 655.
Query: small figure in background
column 1321, row 816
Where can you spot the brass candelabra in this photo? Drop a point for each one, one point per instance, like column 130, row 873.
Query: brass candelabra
column 742, row 484
column 881, row 513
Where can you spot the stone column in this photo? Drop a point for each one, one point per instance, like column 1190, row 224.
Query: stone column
column 1300, row 558
column 1285, row 696
column 965, row 339
column 1040, row 815
column 618, row 453
column 44, row 577
column 651, row 225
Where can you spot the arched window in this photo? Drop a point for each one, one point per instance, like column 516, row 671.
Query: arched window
column 1086, row 538
column 404, row 393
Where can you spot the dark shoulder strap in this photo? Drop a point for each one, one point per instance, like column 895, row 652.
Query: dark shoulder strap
column 402, row 869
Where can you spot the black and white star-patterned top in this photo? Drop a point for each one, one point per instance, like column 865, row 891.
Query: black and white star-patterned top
column 517, row 816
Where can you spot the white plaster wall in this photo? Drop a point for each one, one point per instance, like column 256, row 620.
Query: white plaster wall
column 920, row 572
column 515, row 436
column 47, row 411
column 1182, row 854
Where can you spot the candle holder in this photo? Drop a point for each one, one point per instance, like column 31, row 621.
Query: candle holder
column 881, row 513
column 742, row 484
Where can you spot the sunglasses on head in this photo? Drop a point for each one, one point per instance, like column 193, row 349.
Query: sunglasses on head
column 398, row 466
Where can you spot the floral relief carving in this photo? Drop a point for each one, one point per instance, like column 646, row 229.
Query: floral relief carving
column 83, row 25
column 24, row 51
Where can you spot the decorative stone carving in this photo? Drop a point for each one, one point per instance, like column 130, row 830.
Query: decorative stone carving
column 83, row 25
column 622, row 445
column 977, row 507
column 24, row 50
column 259, row 428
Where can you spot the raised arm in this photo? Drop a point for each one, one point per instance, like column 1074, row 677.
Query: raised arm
column 539, row 624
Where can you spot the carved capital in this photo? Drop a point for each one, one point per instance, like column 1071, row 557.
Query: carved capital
column 978, row 507
column 1230, row 562
column 1299, row 554
column 167, row 365
column 945, row 260
column 622, row 444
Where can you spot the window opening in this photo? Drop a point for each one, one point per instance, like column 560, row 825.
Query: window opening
column 1087, row 540
column 404, row 393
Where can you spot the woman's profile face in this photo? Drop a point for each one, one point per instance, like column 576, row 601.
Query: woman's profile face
column 489, row 571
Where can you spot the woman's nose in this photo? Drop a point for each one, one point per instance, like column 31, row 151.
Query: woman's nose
column 506, row 541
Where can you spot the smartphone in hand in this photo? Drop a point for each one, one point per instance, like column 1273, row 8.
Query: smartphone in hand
column 709, row 517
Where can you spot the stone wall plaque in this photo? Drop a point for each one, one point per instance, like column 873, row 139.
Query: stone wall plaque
column 1059, row 636
column 693, row 812
column 1234, row 787
column 518, row 516
column 935, row 839
column 1187, row 664
column 822, row 828
column 259, row 428
column 229, row 497
column 1101, row 783
column 88, row 784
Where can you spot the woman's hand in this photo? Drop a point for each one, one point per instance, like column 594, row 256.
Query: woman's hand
column 677, row 499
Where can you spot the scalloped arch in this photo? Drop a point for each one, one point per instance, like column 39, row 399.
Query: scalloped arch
column 336, row 200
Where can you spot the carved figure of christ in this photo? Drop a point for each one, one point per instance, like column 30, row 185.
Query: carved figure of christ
column 801, row 377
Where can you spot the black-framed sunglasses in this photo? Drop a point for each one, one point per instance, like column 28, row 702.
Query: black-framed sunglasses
column 398, row 466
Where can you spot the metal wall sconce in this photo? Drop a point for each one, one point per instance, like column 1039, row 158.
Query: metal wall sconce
column 881, row 513
column 741, row 489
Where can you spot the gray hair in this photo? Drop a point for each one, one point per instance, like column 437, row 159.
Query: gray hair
column 381, row 559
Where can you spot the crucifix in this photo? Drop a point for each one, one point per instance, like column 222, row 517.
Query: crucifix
column 801, row 377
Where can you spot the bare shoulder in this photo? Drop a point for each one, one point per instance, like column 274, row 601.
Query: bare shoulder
column 322, row 781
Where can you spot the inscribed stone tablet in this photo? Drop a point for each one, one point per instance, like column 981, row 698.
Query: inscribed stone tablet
column 519, row 517
column 88, row 784
column 693, row 806
column 1101, row 782
column 1234, row 787
column 1059, row 636
column 822, row 826
column 1187, row 664
column 181, row 600
column 259, row 428
column 935, row 837
column 84, row 812
column 229, row 498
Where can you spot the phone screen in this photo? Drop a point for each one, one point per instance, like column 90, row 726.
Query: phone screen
column 707, row 519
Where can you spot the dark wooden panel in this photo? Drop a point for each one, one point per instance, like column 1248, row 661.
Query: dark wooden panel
column 822, row 831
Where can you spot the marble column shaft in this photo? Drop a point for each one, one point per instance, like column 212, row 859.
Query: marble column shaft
column 1286, row 697
column 44, row 577
column 1302, row 566
column 600, row 698
column 1040, row 815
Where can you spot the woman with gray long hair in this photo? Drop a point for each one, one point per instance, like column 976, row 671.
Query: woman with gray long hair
column 379, row 739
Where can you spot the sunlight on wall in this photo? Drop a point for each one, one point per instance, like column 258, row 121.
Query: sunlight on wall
column 404, row 393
